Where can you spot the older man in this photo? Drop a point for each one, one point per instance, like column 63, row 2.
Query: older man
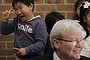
column 66, row 38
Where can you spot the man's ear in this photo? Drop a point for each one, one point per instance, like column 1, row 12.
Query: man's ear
column 56, row 43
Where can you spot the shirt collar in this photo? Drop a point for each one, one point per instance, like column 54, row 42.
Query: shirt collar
column 55, row 57
column 34, row 17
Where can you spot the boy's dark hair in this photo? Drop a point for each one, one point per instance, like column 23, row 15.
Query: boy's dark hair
column 83, row 13
column 26, row 2
column 51, row 19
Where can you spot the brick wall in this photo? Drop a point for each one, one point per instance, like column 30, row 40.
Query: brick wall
column 42, row 7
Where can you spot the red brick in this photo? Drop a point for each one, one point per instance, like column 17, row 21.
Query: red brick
column 11, row 58
column 0, row 1
column 4, row 7
column 38, row 1
column 10, row 44
column 65, row 7
column 69, row 15
column 7, row 1
column 63, row 13
column 59, row 12
column 6, row 37
column 45, row 7
column 71, row 1
column 6, row 52
column 54, row 1
column 2, row 58
column 0, row 15
column 2, row 45
column 39, row 13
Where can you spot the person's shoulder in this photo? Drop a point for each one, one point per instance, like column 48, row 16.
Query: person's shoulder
column 38, row 17
column 39, row 20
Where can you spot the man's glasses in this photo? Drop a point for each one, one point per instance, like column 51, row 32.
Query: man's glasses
column 74, row 41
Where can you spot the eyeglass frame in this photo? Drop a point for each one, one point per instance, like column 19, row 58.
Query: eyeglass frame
column 74, row 41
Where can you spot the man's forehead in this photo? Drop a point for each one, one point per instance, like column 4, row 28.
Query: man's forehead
column 78, row 35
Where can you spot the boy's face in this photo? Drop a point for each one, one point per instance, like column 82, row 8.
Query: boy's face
column 23, row 11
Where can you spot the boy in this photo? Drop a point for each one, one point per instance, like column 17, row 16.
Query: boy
column 30, row 32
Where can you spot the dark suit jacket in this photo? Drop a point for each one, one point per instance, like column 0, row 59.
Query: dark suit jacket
column 84, row 58
column 48, row 48
column 45, row 57
column 50, row 57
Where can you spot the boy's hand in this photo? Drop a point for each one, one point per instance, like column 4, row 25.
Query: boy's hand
column 20, row 52
column 6, row 15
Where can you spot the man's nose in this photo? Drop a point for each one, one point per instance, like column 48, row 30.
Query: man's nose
column 80, row 44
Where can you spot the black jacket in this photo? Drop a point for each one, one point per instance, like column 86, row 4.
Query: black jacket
column 45, row 57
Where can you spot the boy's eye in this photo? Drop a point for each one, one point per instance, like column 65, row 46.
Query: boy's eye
column 20, row 7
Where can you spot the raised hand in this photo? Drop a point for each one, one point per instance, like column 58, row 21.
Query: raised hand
column 6, row 14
